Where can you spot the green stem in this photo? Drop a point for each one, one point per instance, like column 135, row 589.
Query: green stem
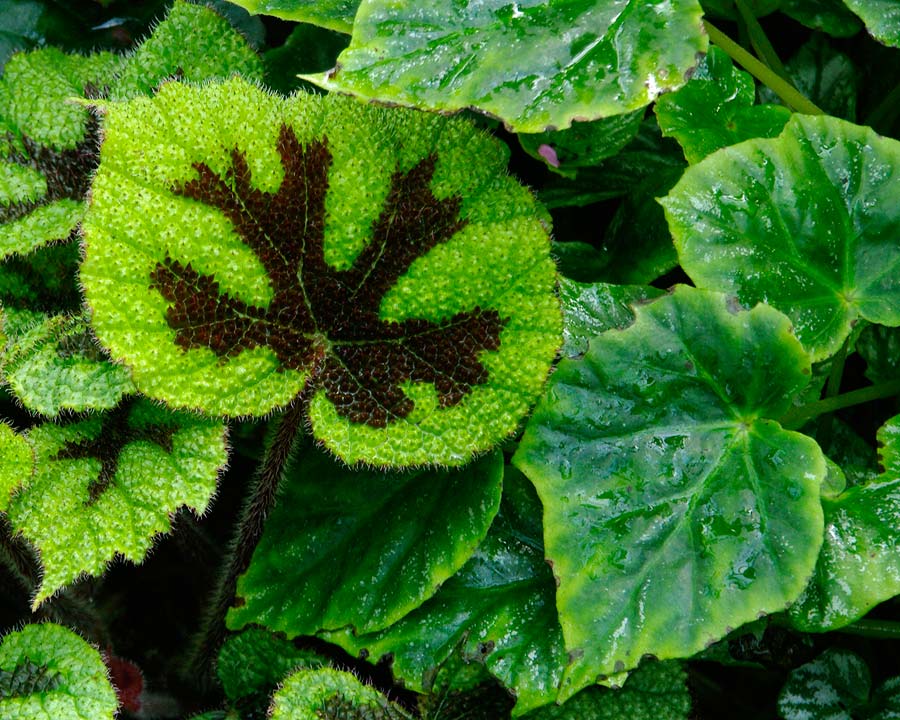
column 881, row 629
column 768, row 77
column 760, row 40
column 798, row 417
column 886, row 112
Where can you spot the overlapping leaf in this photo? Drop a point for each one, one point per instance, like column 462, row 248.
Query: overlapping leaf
column 363, row 548
column 108, row 485
column 378, row 260
column 536, row 65
column 49, row 673
column 805, row 221
column 333, row 14
column 674, row 507
column 881, row 17
column 830, row 16
column 16, row 463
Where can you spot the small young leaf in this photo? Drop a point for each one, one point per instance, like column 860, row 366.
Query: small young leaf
column 364, row 547
column 834, row 686
column 328, row 694
column 573, row 60
column 805, row 222
column 674, row 507
column 49, row 673
column 16, row 463
column 108, row 485
column 716, row 109
column 882, row 19
column 379, row 260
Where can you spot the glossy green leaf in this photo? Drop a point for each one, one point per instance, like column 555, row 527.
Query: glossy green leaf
column 675, row 508
column 830, row 16
column 328, row 694
column 57, row 365
column 536, row 65
column 881, row 17
column 332, row 14
column 654, row 691
column 716, row 109
column 109, row 484
column 16, row 463
column 859, row 564
column 363, row 548
column 590, row 309
column 805, row 221
column 584, row 144
column 418, row 338
column 498, row 610
column 49, row 673
column 255, row 661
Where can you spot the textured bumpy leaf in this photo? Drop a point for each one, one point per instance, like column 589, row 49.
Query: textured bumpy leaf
column 499, row 610
column 674, row 507
column 331, row 695
column 859, row 565
column 49, row 673
column 333, row 14
column 379, row 260
column 654, row 691
column 537, row 65
column 16, row 463
column 363, row 548
column 805, row 221
column 716, row 109
column 57, row 366
column 108, row 485
column 882, row 19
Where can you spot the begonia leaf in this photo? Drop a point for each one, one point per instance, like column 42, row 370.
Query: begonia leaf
column 16, row 463
column 498, row 610
column 49, row 673
column 881, row 17
column 108, row 485
column 378, row 260
column 363, row 548
column 332, row 14
column 830, row 16
column 716, row 109
column 805, row 221
column 675, row 507
column 328, row 694
column 585, row 59
column 859, row 564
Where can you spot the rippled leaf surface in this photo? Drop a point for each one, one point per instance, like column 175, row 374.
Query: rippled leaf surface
column 675, row 508
column 537, row 65
column 49, row 673
column 333, row 14
column 716, row 109
column 499, row 610
column 806, row 221
column 16, row 463
column 109, row 484
column 881, row 17
column 328, row 694
column 363, row 548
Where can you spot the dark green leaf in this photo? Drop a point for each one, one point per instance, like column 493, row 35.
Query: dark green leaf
column 879, row 346
column 20, row 26
column 830, row 16
column 308, row 49
column 332, row 14
column 728, row 8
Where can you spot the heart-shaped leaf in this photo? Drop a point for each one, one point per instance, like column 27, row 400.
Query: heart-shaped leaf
column 380, row 261
column 675, row 508
column 806, row 222
column 572, row 60
column 363, row 548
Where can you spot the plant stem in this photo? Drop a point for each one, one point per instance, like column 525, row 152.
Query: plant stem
column 282, row 444
column 760, row 40
column 768, row 77
column 798, row 417
column 881, row 629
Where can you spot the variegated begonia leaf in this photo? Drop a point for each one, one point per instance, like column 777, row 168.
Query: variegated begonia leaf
column 497, row 610
column 328, row 694
column 108, row 485
column 881, row 17
column 57, row 365
column 536, row 65
column 806, row 222
column 380, row 261
column 716, row 109
column 859, row 564
column 675, row 506
column 16, row 463
column 363, row 548
column 49, row 673
column 51, row 146
column 332, row 14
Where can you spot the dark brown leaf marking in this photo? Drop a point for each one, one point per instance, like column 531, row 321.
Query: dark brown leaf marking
column 320, row 318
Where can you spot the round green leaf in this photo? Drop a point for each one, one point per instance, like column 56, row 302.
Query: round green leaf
column 536, row 65
column 328, row 694
column 675, row 509
column 834, row 686
column 109, row 484
column 363, row 548
column 882, row 19
column 380, row 260
column 16, row 463
column 49, row 673
column 332, row 14
column 806, row 222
